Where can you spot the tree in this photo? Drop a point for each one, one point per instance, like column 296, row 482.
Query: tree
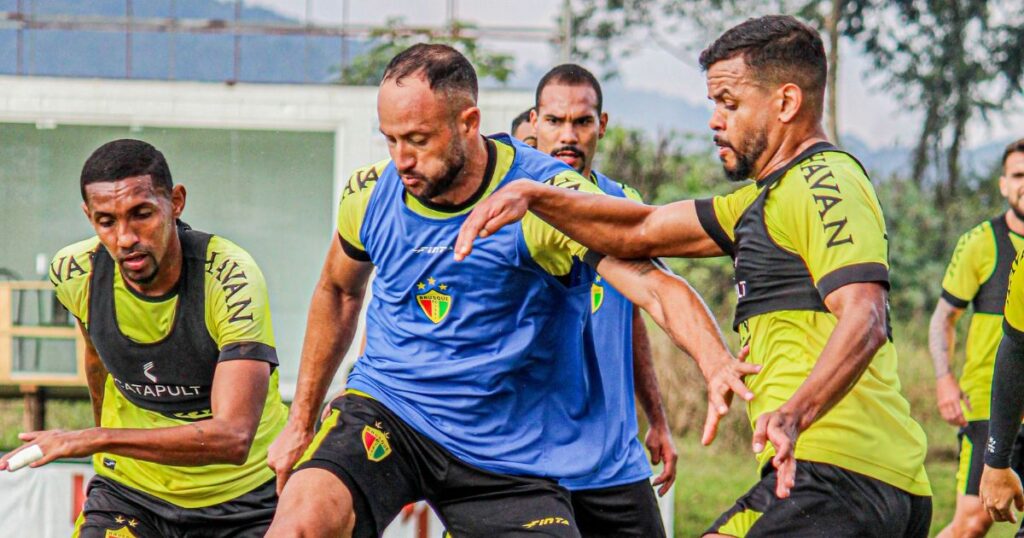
column 607, row 30
column 950, row 60
column 394, row 37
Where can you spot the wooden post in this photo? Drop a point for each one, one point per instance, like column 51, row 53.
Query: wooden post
column 35, row 407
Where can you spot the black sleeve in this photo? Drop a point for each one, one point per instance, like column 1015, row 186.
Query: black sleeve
column 592, row 258
column 706, row 215
column 1007, row 398
column 954, row 300
column 353, row 251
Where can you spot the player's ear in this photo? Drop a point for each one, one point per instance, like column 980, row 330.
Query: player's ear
column 1004, row 189
column 533, row 117
column 789, row 98
column 469, row 120
column 178, row 195
column 602, row 125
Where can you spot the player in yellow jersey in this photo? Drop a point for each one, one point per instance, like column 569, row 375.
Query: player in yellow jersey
column 180, row 362
column 977, row 275
column 839, row 452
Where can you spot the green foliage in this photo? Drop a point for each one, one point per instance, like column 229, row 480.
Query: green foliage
column 949, row 60
column 394, row 37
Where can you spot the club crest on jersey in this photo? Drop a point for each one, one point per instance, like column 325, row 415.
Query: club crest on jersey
column 596, row 295
column 432, row 299
column 375, row 441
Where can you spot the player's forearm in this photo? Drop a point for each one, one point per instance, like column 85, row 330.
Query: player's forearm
column 204, row 442
column 607, row 224
column 858, row 335
column 1007, row 401
column 96, row 378
column 674, row 306
column 645, row 382
column 330, row 328
column 942, row 338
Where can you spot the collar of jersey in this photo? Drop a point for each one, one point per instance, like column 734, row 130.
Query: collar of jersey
column 499, row 162
column 776, row 175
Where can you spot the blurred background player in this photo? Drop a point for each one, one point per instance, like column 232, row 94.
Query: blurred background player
column 181, row 321
column 1000, row 489
column 522, row 128
column 618, row 499
column 810, row 250
column 978, row 275
column 474, row 392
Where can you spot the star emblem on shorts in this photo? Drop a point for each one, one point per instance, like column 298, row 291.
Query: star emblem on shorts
column 380, row 427
column 133, row 523
column 119, row 519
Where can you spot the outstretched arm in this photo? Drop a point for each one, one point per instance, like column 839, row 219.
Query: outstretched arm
column 615, row 226
column 332, row 321
column 237, row 397
column 677, row 309
column 95, row 376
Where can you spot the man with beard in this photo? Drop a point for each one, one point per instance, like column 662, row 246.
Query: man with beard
column 474, row 391
column 977, row 275
column 838, row 451
column 179, row 358
column 522, row 129
column 618, row 499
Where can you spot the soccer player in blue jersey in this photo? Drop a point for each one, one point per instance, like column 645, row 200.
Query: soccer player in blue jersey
column 474, row 391
column 618, row 499
column 522, row 128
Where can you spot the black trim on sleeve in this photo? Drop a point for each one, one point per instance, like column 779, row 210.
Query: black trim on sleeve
column 708, row 220
column 253, row 351
column 851, row 274
column 1007, row 398
column 353, row 251
column 954, row 300
column 592, row 258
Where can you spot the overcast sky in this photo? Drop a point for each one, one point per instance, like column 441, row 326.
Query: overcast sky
column 865, row 109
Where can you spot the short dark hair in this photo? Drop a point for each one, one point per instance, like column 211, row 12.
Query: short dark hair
column 126, row 158
column 778, row 49
column 1017, row 146
column 570, row 75
column 522, row 117
column 444, row 68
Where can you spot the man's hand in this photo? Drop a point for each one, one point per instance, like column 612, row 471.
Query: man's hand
column 507, row 205
column 723, row 378
column 55, row 444
column 663, row 449
column 287, row 449
column 949, row 398
column 1000, row 487
column 781, row 429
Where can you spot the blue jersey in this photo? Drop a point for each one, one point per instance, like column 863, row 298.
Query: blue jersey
column 623, row 460
column 483, row 356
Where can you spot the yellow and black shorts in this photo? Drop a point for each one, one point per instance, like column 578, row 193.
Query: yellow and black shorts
column 829, row 502
column 115, row 510
column 972, row 439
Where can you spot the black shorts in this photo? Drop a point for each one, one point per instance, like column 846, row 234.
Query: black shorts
column 972, row 439
column 111, row 507
column 386, row 465
column 630, row 510
column 828, row 501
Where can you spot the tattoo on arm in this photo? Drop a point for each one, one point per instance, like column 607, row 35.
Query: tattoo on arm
column 942, row 336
